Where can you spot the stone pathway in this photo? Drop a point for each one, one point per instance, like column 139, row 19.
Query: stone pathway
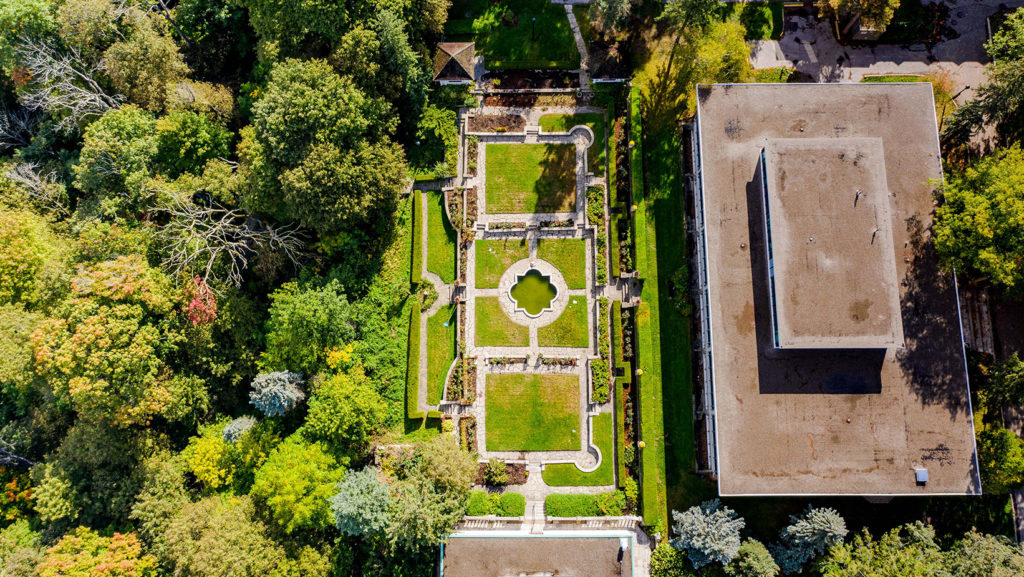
column 581, row 45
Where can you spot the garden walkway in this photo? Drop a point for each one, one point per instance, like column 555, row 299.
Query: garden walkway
column 581, row 45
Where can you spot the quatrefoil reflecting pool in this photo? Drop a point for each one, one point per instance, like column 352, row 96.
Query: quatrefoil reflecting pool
column 533, row 293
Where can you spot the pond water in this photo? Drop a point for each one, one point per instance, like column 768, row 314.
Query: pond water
column 534, row 292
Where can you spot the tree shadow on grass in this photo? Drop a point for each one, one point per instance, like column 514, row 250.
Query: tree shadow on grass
column 556, row 187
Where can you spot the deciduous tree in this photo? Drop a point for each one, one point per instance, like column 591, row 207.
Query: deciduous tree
column 978, row 225
column 344, row 410
column 908, row 550
column 116, row 159
column 1001, row 458
column 306, row 322
column 145, row 66
column 84, row 553
column 752, row 560
column 295, row 484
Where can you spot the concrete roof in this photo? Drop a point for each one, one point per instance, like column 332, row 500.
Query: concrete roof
column 829, row 224
column 853, row 421
column 547, row 555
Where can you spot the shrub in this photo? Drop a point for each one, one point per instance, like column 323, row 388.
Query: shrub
column 511, row 505
column 276, row 393
column 479, row 504
column 753, row 560
column 667, row 561
column 495, row 473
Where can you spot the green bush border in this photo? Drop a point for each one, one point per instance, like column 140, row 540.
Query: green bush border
column 507, row 504
column 574, row 505
column 412, row 373
column 620, row 391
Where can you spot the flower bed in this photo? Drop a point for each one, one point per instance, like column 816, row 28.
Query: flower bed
column 567, row 223
column 558, row 361
column 506, row 225
column 596, row 217
column 600, row 375
column 467, row 433
column 496, row 123
column 517, row 474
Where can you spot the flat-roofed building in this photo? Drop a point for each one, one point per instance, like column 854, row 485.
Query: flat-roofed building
column 832, row 348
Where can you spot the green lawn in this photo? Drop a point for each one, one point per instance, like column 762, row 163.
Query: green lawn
column 668, row 459
column 440, row 351
column 569, row 256
column 507, row 37
column 494, row 256
column 568, row 475
column 570, row 329
column 525, row 178
column 495, row 329
column 440, row 239
column 533, row 412
column 565, row 122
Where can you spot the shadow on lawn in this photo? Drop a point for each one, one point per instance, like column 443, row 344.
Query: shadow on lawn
column 556, row 187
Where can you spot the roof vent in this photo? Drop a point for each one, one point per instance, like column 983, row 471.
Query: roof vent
column 921, row 475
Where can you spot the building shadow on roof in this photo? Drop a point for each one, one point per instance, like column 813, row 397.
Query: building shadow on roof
column 800, row 371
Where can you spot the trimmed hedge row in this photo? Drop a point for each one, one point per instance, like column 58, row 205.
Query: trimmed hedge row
column 416, row 269
column 620, row 390
column 569, row 475
column 572, row 505
column 412, row 372
column 508, row 504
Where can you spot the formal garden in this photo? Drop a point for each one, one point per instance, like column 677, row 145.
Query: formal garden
column 519, row 311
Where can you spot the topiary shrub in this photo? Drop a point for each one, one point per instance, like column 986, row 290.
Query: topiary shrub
column 479, row 504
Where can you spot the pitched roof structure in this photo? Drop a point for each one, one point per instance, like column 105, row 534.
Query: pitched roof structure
column 454, row 61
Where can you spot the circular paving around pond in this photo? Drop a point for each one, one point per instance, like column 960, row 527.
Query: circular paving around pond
column 547, row 274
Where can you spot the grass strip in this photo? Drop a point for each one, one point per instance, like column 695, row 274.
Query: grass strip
column 440, row 239
column 412, row 372
column 570, row 329
column 569, row 256
column 495, row 329
column 533, row 412
column 569, row 475
column 416, row 266
column 440, row 351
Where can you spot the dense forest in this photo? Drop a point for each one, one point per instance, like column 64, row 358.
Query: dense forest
column 199, row 350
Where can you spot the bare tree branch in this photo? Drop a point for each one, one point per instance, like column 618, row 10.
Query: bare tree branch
column 202, row 239
column 17, row 127
column 9, row 459
column 63, row 84
column 46, row 189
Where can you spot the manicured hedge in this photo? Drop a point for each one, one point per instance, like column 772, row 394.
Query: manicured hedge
column 620, row 429
column 602, row 504
column 417, row 237
column 569, row 475
column 508, row 504
column 412, row 373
